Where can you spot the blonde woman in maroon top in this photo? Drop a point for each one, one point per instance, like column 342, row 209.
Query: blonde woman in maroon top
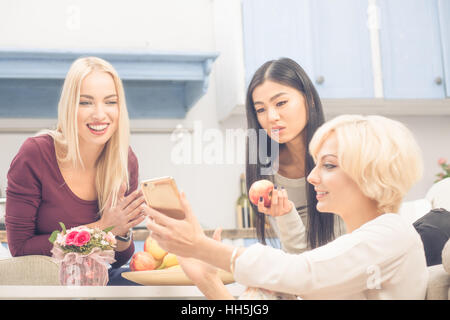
column 82, row 173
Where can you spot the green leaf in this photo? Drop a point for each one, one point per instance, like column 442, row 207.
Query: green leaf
column 108, row 229
column 53, row 236
column 63, row 227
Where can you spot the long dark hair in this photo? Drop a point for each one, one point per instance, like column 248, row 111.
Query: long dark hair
column 320, row 228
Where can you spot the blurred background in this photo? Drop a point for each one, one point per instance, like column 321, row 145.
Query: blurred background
column 186, row 65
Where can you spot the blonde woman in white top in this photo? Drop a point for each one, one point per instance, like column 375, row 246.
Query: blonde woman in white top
column 363, row 168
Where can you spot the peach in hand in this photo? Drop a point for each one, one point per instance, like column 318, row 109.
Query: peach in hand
column 261, row 188
column 142, row 261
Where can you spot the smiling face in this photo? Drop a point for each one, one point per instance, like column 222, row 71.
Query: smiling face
column 280, row 110
column 336, row 191
column 98, row 111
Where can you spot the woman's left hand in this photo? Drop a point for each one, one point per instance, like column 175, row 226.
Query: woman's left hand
column 197, row 270
column 179, row 237
column 280, row 204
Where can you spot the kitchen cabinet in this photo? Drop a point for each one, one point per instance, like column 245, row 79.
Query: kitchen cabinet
column 341, row 49
column 411, row 48
column 328, row 38
column 333, row 42
column 444, row 23
column 274, row 29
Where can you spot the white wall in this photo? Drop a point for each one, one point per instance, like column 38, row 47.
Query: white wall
column 433, row 136
column 155, row 24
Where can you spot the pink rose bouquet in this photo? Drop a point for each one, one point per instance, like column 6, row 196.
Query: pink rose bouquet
column 84, row 254
column 83, row 239
column 442, row 162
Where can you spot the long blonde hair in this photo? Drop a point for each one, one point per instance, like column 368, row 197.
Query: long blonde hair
column 112, row 164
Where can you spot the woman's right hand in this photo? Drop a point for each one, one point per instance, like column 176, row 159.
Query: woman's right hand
column 126, row 214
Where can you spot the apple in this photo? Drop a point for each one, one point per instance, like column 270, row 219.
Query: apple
column 142, row 261
column 261, row 188
column 151, row 246
column 169, row 260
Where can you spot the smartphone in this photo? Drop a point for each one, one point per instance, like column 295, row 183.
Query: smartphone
column 162, row 195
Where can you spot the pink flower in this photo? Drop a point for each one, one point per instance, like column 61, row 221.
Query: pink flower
column 70, row 238
column 110, row 238
column 442, row 161
column 82, row 238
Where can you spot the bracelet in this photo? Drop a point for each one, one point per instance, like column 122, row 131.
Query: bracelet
column 233, row 258
column 126, row 238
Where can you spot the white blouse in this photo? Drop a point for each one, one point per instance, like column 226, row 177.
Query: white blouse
column 383, row 259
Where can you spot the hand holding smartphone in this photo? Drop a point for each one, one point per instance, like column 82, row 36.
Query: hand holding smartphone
column 162, row 195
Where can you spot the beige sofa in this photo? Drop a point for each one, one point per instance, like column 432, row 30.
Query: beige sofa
column 29, row 270
column 439, row 281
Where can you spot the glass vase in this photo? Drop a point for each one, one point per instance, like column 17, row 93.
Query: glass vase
column 85, row 271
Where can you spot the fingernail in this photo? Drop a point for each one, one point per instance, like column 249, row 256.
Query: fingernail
column 276, row 187
column 260, row 199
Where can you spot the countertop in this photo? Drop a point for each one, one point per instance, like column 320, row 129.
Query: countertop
column 109, row 292
column 142, row 234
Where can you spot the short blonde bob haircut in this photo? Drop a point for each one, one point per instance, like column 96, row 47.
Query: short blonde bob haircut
column 112, row 165
column 379, row 154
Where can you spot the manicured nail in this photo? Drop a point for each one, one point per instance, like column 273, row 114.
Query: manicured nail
column 260, row 199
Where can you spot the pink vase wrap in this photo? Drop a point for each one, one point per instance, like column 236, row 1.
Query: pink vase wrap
column 78, row 269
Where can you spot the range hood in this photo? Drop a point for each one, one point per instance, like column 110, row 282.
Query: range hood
column 157, row 84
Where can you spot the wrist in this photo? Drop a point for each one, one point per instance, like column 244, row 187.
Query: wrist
column 200, row 250
column 214, row 252
column 101, row 224
column 126, row 237
column 213, row 288
column 289, row 209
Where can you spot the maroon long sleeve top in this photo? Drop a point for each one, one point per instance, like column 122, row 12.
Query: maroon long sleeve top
column 37, row 199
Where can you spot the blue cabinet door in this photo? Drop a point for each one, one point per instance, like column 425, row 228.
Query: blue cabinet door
column 444, row 23
column 411, row 49
column 328, row 38
column 273, row 29
column 342, row 51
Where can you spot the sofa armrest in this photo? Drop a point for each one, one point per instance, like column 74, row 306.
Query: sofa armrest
column 437, row 195
column 438, row 283
column 446, row 256
column 29, row 270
